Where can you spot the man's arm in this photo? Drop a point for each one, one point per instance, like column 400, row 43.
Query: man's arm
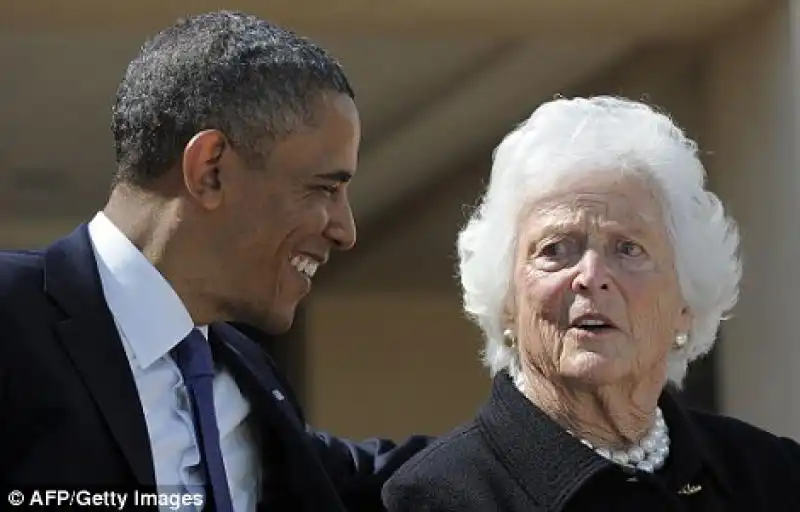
column 359, row 469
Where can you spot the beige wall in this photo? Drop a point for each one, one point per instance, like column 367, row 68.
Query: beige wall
column 752, row 113
column 389, row 351
column 392, row 364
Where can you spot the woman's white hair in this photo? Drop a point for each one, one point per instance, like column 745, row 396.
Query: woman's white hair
column 568, row 138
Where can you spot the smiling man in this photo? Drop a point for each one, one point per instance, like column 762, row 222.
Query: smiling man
column 235, row 143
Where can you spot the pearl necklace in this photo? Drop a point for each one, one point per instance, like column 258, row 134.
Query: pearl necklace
column 647, row 455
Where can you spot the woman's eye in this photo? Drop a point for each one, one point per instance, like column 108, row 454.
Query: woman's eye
column 630, row 249
column 554, row 250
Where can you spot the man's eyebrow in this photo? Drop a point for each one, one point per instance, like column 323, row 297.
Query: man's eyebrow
column 340, row 176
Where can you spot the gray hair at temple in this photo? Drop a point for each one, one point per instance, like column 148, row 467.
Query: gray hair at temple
column 568, row 138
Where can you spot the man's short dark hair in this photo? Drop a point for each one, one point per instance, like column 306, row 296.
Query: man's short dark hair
column 248, row 78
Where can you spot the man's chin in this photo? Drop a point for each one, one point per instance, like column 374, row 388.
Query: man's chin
column 276, row 329
column 277, row 324
column 273, row 323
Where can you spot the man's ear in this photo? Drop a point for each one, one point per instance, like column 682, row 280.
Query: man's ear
column 201, row 159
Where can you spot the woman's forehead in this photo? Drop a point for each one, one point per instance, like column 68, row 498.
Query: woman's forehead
column 626, row 202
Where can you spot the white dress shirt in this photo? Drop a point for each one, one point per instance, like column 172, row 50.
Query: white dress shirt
column 151, row 320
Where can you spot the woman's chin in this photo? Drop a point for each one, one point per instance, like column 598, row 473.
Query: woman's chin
column 590, row 367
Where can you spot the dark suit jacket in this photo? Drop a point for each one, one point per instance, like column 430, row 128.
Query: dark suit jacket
column 512, row 457
column 71, row 413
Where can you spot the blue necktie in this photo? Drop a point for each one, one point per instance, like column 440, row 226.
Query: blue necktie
column 193, row 356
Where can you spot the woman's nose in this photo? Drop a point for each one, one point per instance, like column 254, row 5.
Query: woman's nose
column 592, row 274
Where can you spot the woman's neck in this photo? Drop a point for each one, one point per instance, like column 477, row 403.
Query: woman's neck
column 612, row 416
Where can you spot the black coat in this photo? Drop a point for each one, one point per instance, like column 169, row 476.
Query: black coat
column 512, row 457
column 70, row 413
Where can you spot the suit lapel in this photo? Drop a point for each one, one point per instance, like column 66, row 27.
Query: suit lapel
column 304, row 471
column 90, row 338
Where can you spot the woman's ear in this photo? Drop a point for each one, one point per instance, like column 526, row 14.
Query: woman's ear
column 509, row 312
column 685, row 319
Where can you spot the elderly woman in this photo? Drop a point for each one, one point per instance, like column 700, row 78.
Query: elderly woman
column 598, row 268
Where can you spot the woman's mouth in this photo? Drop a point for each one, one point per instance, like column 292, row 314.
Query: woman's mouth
column 592, row 323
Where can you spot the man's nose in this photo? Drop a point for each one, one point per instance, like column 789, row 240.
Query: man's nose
column 342, row 226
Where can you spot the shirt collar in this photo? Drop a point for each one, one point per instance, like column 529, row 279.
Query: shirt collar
column 552, row 465
column 151, row 316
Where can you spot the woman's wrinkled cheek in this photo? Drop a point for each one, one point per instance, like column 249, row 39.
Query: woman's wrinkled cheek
column 545, row 296
column 653, row 315
column 541, row 305
column 541, row 347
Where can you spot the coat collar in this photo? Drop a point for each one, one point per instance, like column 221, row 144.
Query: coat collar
column 552, row 466
column 691, row 458
column 90, row 338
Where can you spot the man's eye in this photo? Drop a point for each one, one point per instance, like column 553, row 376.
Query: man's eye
column 328, row 189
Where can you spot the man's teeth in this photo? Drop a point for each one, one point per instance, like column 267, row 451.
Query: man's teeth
column 305, row 266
